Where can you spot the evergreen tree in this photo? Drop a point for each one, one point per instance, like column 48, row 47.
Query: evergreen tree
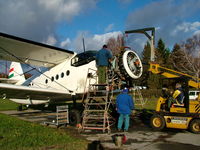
column 162, row 53
column 145, row 61
column 175, row 56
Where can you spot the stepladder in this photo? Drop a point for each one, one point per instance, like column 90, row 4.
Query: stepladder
column 96, row 114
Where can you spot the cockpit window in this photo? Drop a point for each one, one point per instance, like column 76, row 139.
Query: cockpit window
column 83, row 58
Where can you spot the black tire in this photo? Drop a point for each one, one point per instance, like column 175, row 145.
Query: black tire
column 74, row 117
column 195, row 126
column 157, row 122
column 20, row 108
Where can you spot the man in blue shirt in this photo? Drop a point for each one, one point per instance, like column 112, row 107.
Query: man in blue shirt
column 124, row 104
column 102, row 60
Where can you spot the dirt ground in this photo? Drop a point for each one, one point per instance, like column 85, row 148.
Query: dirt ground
column 139, row 137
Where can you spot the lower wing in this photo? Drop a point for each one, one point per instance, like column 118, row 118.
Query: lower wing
column 32, row 95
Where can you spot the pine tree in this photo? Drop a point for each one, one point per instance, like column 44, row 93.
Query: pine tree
column 162, row 53
column 145, row 61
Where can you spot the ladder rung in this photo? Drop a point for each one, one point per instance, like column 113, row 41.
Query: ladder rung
column 94, row 118
column 96, row 104
column 93, row 125
column 99, row 84
column 98, row 97
column 99, row 115
column 95, row 128
column 94, row 110
column 97, row 91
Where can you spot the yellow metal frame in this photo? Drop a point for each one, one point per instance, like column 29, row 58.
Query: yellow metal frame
column 169, row 73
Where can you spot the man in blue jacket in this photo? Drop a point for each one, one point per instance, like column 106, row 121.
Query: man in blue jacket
column 102, row 61
column 124, row 104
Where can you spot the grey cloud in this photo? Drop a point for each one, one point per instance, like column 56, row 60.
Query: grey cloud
column 166, row 15
column 37, row 19
column 92, row 42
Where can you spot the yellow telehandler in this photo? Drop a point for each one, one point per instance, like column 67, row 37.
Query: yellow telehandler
column 185, row 116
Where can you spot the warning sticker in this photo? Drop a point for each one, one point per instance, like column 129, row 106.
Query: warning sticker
column 179, row 120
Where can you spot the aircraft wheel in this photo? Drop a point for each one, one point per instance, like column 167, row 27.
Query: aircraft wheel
column 157, row 122
column 20, row 108
column 195, row 126
column 74, row 117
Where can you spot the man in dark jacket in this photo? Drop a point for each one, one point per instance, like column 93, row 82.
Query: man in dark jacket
column 124, row 104
column 102, row 60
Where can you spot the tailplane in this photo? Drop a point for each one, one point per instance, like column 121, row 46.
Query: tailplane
column 16, row 73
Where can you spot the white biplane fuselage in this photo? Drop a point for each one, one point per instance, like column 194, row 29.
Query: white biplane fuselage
column 65, row 77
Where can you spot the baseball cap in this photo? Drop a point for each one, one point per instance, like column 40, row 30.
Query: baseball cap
column 125, row 90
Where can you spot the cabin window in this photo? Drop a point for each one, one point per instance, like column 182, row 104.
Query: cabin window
column 46, row 81
column 68, row 72
column 62, row 75
column 52, row 79
column 57, row 77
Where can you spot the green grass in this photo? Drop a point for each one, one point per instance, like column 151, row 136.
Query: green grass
column 6, row 104
column 16, row 134
column 150, row 104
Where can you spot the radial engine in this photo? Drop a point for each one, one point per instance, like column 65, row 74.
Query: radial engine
column 125, row 68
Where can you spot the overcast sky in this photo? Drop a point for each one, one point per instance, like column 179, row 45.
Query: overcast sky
column 63, row 23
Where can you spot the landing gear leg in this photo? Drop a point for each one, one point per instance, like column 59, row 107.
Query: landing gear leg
column 74, row 101
column 20, row 107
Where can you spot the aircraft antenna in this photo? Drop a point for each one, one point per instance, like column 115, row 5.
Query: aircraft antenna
column 83, row 44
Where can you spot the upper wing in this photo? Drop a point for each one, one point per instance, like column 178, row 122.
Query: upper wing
column 30, row 93
column 25, row 51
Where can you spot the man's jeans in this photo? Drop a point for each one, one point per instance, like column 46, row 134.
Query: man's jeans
column 123, row 118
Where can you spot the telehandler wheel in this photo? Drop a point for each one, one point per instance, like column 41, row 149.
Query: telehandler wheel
column 157, row 122
column 195, row 126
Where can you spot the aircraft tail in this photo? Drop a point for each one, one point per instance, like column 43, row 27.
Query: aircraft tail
column 16, row 72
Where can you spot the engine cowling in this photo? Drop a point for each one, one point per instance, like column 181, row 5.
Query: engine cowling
column 130, row 65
